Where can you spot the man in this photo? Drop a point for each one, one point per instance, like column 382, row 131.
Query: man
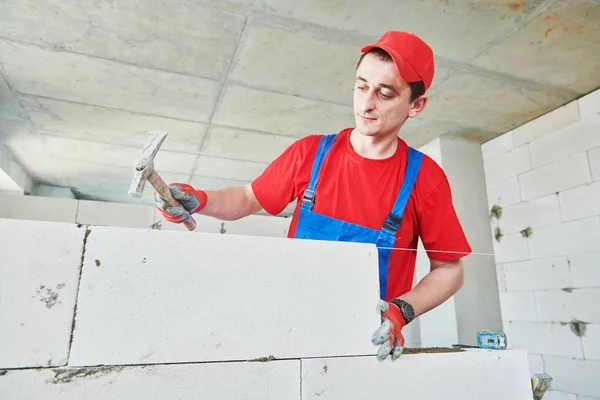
column 365, row 184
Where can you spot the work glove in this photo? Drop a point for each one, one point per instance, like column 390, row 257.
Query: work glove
column 389, row 334
column 191, row 200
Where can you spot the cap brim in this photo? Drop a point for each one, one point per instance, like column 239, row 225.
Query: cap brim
column 406, row 71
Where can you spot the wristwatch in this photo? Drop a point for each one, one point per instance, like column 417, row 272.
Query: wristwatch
column 408, row 312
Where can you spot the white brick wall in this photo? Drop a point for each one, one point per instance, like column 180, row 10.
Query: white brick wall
column 545, row 338
column 569, row 141
column 85, row 212
column 594, row 156
column 555, row 177
column 536, row 213
column 589, row 104
column 507, row 165
column 584, row 269
column 551, row 122
column 211, row 316
column 546, row 175
column 580, row 202
column 573, row 237
column 574, row 375
column 540, row 274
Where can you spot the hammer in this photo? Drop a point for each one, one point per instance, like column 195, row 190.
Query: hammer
column 143, row 170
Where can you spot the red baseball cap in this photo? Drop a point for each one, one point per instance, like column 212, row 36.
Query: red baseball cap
column 412, row 56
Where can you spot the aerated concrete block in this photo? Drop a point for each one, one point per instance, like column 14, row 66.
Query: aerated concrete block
column 476, row 374
column 149, row 296
column 224, row 381
column 39, row 271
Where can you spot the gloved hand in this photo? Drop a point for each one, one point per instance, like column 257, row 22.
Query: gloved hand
column 389, row 334
column 192, row 201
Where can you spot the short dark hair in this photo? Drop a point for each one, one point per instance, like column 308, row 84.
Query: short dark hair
column 416, row 88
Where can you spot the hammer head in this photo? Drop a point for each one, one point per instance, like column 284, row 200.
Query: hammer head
column 144, row 166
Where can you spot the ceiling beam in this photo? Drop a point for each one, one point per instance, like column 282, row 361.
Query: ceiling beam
column 13, row 177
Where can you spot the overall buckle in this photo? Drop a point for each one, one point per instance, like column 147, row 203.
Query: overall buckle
column 392, row 223
column 309, row 196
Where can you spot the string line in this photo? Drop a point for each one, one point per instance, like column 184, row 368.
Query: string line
column 437, row 251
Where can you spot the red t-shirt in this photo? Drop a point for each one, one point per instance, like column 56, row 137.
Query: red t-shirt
column 363, row 191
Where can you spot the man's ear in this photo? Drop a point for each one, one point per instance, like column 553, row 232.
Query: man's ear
column 417, row 106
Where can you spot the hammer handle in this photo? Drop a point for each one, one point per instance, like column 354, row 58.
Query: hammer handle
column 163, row 190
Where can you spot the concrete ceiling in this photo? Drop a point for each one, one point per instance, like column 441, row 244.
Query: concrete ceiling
column 235, row 82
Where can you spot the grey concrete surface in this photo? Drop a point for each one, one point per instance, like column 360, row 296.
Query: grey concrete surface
column 89, row 78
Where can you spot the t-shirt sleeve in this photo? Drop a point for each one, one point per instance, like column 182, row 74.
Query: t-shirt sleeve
column 283, row 179
column 439, row 227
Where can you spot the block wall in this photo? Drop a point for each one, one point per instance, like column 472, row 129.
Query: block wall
column 543, row 185
column 104, row 312
column 86, row 212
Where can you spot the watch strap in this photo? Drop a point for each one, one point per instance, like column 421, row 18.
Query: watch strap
column 405, row 309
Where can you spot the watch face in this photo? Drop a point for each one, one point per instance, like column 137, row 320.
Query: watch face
column 408, row 311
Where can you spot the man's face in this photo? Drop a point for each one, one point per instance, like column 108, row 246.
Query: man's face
column 382, row 98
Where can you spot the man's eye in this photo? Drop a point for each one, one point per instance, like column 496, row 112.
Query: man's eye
column 386, row 96
column 360, row 87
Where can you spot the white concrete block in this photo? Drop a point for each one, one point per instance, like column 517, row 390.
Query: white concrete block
column 543, row 337
column 558, row 176
column 573, row 375
column 38, row 208
column 594, row 158
column 512, row 247
column 536, row 363
column 115, row 214
column 39, row 270
column 474, row 374
column 566, row 142
column 573, row 237
column 499, row 145
column 504, row 193
column 585, row 270
column 546, row 124
column 256, row 225
column 518, row 306
column 591, row 342
column 540, row 274
column 204, row 290
column 580, row 202
column 555, row 395
column 534, row 213
column 589, row 104
column 568, row 305
column 228, row 381
column 508, row 165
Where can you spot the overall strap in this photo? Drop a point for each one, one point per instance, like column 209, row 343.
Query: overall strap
column 394, row 219
column 309, row 193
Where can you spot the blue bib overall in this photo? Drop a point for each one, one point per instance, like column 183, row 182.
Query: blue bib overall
column 312, row 225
